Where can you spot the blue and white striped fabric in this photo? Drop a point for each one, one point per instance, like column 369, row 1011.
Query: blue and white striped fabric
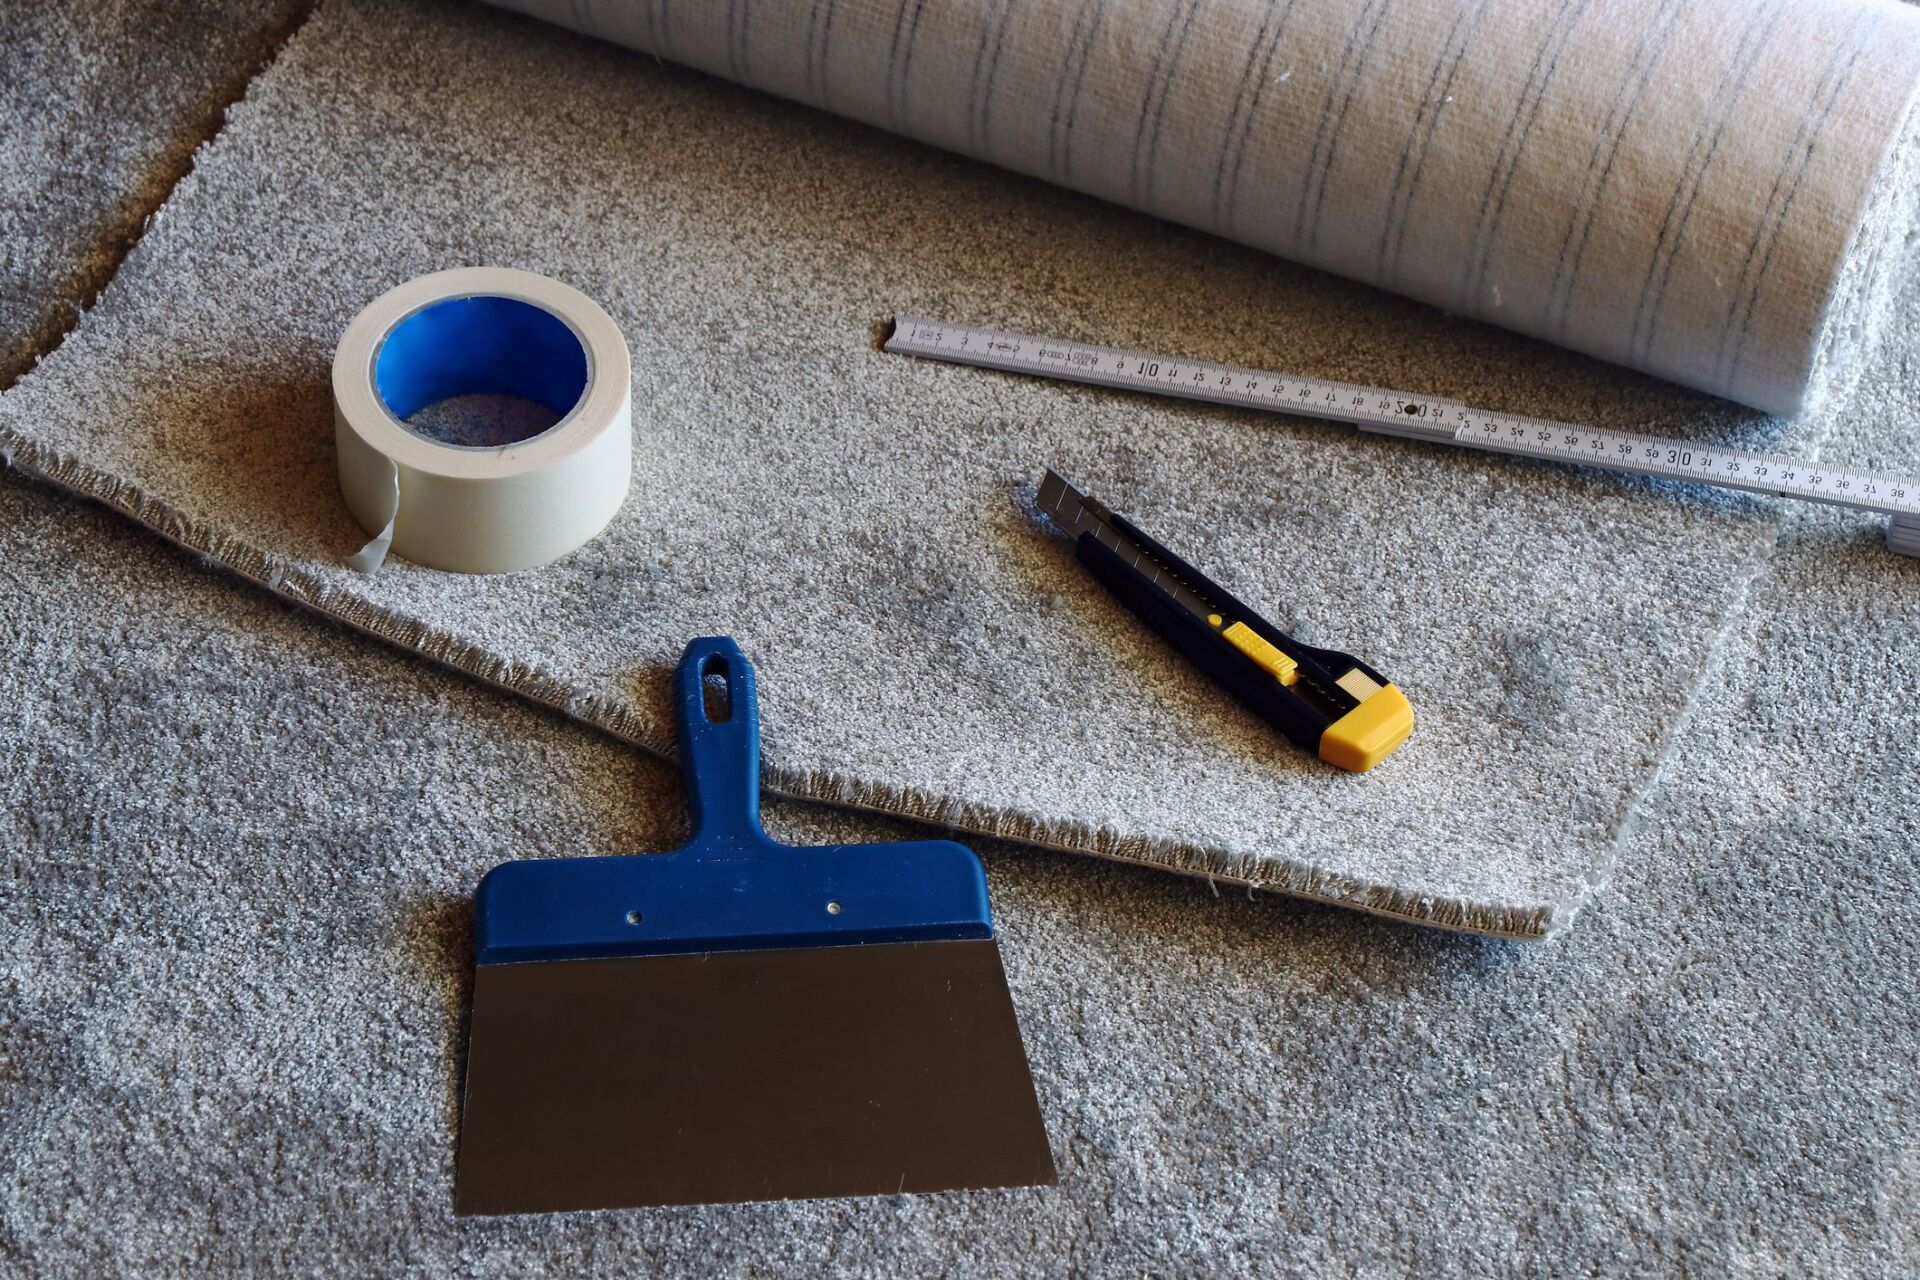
column 1718, row 192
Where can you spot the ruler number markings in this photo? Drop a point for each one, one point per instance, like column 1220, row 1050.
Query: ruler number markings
column 1379, row 409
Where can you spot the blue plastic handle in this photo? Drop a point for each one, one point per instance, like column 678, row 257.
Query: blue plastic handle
column 730, row 888
column 720, row 759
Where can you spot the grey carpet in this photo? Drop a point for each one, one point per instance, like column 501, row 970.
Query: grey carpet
column 238, row 841
column 103, row 103
column 857, row 520
column 235, row 844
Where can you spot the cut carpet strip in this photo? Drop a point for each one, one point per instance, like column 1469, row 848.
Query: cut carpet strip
column 861, row 523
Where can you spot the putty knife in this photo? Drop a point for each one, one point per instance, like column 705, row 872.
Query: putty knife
column 739, row 1019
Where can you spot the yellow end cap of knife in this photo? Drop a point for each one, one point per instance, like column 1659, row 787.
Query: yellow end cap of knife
column 1366, row 735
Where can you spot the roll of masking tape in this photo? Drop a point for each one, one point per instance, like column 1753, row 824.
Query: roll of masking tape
column 547, row 373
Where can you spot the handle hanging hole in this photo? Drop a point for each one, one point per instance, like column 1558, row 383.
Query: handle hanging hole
column 633, row 917
column 716, row 690
column 833, row 908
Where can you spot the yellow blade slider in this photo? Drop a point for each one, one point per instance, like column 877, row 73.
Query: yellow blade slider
column 1256, row 646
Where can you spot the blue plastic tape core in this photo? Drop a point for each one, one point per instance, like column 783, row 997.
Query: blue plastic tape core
column 480, row 346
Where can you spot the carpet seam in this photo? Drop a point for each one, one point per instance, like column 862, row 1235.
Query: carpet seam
column 1894, row 201
column 100, row 263
column 1712, row 662
column 1252, row 871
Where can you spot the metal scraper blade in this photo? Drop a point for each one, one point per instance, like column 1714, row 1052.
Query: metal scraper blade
column 739, row 1019
column 748, row 1075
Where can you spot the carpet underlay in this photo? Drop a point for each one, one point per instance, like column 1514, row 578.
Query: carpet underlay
column 1715, row 193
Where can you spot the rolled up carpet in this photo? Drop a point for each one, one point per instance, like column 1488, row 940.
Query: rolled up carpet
column 1717, row 192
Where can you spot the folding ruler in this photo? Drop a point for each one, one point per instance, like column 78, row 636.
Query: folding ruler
column 1418, row 418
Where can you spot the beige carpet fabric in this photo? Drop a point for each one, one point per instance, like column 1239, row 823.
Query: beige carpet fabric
column 1687, row 187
